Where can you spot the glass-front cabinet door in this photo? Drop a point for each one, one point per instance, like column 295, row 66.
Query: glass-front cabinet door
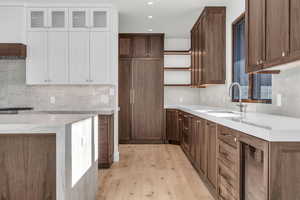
column 99, row 19
column 37, row 19
column 79, row 19
column 58, row 19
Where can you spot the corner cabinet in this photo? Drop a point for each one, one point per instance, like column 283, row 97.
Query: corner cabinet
column 70, row 46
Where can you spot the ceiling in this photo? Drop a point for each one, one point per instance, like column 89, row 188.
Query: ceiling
column 175, row 18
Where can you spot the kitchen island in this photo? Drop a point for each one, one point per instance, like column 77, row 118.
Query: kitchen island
column 48, row 156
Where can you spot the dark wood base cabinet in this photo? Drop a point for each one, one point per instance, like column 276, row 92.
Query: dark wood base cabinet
column 106, row 141
column 28, row 167
column 237, row 166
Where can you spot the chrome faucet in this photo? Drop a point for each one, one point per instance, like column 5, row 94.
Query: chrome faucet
column 240, row 104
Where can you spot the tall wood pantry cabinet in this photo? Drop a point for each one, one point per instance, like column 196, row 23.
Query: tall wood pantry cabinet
column 272, row 33
column 141, row 88
column 69, row 45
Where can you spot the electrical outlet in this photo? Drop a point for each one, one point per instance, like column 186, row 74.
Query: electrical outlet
column 279, row 100
column 180, row 99
column 52, row 100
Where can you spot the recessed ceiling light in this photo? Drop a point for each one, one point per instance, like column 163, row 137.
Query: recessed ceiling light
column 150, row 3
column 150, row 17
column 150, row 29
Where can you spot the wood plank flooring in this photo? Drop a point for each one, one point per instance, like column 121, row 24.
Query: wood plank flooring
column 158, row 172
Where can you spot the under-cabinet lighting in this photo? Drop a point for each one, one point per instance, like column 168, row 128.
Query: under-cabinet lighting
column 150, row 3
column 150, row 30
column 150, row 17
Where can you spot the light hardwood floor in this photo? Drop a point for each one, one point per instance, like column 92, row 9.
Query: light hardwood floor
column 158, row 172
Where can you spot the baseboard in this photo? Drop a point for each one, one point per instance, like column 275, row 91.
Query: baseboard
column 116, row 157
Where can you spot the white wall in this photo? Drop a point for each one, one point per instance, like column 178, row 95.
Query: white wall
column 12, row 20
column 180, row 95
column 287, row 83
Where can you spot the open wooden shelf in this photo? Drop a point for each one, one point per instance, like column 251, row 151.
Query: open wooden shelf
column 177, row 52
column 177, row 68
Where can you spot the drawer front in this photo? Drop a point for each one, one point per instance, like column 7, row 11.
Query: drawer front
column 227, row 182
column 224, row 194
column 228, row 136
column 227, row 155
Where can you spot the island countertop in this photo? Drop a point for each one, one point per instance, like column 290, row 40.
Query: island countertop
column 38, row 122
column 272, row 128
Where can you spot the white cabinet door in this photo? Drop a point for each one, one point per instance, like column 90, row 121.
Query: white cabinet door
column 99, row 19
column 37, row 19
column 79, row 57
column 58, row 58
column 99, row 58
column 79, row 19
column 36, row 67
column 58, row 19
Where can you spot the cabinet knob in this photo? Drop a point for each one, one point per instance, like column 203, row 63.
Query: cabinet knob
column 235, row 139
column 283, row 54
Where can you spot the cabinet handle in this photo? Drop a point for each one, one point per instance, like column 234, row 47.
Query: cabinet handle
column 283, row 54
column 235, row 139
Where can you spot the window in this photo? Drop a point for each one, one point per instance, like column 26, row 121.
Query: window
column 256, row 88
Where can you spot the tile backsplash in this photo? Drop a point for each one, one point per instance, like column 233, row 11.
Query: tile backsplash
column 14, row 92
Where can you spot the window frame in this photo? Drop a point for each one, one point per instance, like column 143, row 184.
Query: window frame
column 250, row 75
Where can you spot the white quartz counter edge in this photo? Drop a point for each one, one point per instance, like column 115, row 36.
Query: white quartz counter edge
column 271, row 135
column 38, row 122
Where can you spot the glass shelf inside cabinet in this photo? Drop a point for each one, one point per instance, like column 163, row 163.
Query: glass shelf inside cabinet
column 100, row 19
column 37, row 19
column 58, row 19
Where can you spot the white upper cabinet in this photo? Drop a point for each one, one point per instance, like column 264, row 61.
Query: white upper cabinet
column 79, row 57
column 58, row 57
column 36, row 68
column 99, row 66
column 70, row 45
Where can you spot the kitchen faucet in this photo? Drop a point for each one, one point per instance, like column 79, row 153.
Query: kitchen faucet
column 240, row 104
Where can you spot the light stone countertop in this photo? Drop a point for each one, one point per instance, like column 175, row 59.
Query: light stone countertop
column 273, row 128
column 38, row 122
column 49, row 121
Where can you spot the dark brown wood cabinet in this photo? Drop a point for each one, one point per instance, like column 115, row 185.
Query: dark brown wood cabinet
column 211, row 134
column 106, row 141
column 125, row 47
column 277, row 30
column 12, row 51
column 141, row 88
column 208, row 45
column 172, row 123
column 28, row 167
column 255, row 34
column 294, row 45
column 237, row 166
column 186, row 133
column 272, row 28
